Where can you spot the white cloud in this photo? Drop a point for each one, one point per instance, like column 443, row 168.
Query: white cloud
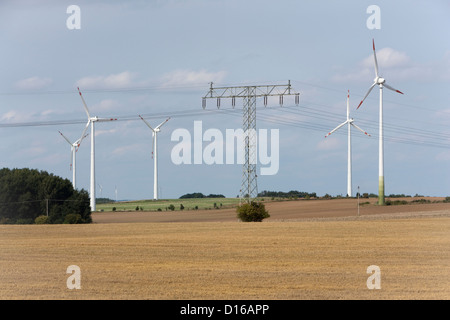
column 189, row 77
column 15, row 116
column 113, row 81
column 106, row 105
column 33, row 83
column 396, row 65
column 330, row 143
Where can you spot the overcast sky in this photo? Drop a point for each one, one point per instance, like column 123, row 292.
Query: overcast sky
column 157, row 58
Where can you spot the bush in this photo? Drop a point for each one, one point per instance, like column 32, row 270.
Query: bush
column 41, row 220
column 171, row 207
column 447, row 199
column 181, row 207
column 252, row 212
column 72, row 218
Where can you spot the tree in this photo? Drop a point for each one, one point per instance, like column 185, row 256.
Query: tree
column 26, row 194
column 252, row 212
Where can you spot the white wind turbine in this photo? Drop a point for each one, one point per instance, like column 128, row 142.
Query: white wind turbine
column 381, row 82
column 155, row 154
column 92, row 121
column 73, row 150
column 350, row 123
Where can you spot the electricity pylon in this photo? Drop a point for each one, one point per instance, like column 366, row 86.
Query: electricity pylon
column 249, row 186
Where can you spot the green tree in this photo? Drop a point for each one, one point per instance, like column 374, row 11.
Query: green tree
column 26, row 194
column 252, row 212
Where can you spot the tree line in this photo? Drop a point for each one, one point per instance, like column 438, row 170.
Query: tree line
column 26, row 194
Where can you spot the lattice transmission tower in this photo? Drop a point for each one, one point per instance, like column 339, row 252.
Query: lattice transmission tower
column 249, row 186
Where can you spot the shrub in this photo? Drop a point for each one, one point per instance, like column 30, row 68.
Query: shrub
column 252, row 212
column 41, row 220
column 181, row 207
column 171, row 207
column 447, row 199
column 72, row 218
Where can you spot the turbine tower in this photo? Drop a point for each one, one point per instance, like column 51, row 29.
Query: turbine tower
column 381, row 82
column 92, row 121
column 155, row 154
column 349, row 123
column 73, row 150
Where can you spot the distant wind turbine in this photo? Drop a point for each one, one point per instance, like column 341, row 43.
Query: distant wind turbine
column 73, row 150
column 92, row 121
column 350, row 123
column 381, row 82
column 155, row 154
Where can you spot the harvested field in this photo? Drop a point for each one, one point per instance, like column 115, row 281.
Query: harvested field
column 289, row 256
column 298, row 210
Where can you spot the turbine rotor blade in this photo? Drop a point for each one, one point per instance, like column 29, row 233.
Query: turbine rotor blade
column 71, row 157
column 370, row 89
column 339, row 126
column 393, row 89
column 148, row 125
column 105, row 119
column 153, row 142
column 65, row 137
column 360, row 129
column 375, row 58
column 84, row 103
column 160, row 125
column 83, row 135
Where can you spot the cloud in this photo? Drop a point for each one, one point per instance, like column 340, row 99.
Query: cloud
column 33, row 83
column 330, row 143
column 15, row 116
column 106, row 105
column 396, row 65
column 113, row 81
column 189, row 77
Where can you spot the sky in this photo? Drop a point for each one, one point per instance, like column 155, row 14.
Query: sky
column 158, row 58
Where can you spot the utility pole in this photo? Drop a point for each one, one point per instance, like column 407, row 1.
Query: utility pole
column 249, row 186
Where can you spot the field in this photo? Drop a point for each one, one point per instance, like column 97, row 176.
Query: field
column 305, row 250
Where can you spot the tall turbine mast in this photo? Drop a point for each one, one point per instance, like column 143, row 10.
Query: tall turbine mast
column 349, row 123
column 381, row 82
column 92, row 121
column 249, row 186
column 155, row 154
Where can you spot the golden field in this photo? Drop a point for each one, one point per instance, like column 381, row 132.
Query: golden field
column 227, row 259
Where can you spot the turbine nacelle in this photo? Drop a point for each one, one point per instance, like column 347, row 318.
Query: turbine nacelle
column 379, row 80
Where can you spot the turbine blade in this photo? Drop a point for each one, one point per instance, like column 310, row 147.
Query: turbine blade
column 71, row 157
column 360, row 129
column 65, row 137
column 153, row 143
column 160, row 125
column 390, row 88
column 83, row 135
column 148, row 125
column 84, row 103
column 339, row 126
column 370, row 89
column 375, row 58
column 106, row 119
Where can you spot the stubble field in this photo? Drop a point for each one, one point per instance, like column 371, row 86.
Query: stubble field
column 305, row 250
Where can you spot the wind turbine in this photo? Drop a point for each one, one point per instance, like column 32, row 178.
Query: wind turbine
column 73, row 150
column 381, row 82
column 155, row 155
column 92, row 121
column 350, row 123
